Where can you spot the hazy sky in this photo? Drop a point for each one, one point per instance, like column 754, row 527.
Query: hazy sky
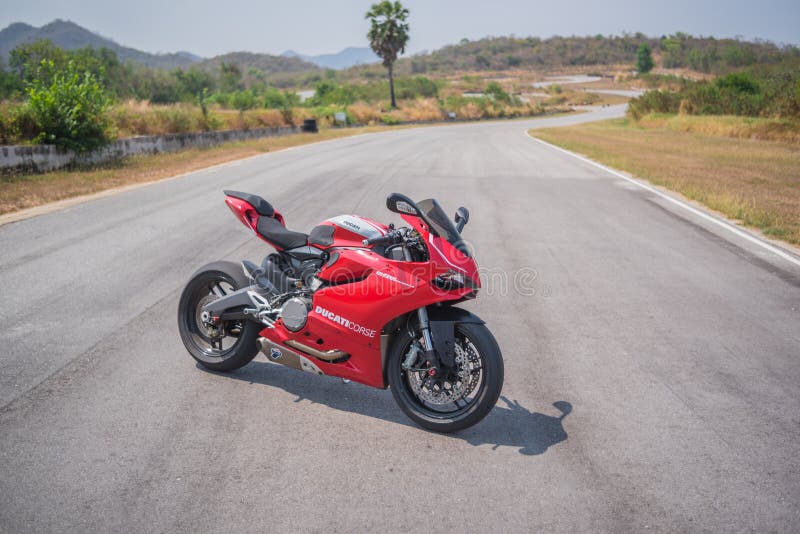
column 209, row 28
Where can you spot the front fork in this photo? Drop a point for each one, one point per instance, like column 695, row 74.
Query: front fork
column 424, row 326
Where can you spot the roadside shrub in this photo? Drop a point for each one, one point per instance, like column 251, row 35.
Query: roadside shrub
column 752, row 93
column 427, row 109
column 242, row 100
column 17, row 124
column 495, row 91
column 362, row 113
column 390, row 120
column 654, row 101
column 176, row 120
column 71, row 110
column 275, row 99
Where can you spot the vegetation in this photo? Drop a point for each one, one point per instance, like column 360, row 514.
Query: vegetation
column 644, row 59
column 243, row 90
column 388, row 35
column 752, row 181
column 67, row 108
column 131, row 101
column 757, row 92
column 678, row 51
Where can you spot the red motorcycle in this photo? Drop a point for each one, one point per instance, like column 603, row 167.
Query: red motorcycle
column 355, row 299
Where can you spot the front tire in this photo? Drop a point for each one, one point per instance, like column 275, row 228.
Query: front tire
column 475, row 343
column 231, row 344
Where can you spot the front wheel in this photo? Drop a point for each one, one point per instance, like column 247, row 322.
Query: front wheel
column 455, row 400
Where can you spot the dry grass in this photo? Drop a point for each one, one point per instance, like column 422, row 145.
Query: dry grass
column 142, row 118
column 424, row 109
column 23, row 191
column 754, row 182
column 766, row 129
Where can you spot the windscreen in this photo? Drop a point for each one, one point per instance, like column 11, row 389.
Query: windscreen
column 441, row 224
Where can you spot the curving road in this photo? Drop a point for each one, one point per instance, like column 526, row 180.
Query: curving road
column 652, row 360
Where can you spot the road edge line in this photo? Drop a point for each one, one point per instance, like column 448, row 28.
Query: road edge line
column 791, row 258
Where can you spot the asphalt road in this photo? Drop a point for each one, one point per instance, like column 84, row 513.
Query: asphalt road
column 670, row 346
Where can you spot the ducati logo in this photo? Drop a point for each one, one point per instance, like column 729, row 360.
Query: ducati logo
column 392, row 278
column 347, row 323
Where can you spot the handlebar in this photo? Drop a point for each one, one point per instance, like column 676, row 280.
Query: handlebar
column 391, row 237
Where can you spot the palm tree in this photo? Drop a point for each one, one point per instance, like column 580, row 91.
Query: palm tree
column 388, row 34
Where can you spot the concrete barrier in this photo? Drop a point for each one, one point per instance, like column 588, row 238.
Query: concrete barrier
column 40, row 158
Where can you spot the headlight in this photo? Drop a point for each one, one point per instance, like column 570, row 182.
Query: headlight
column 453, row 280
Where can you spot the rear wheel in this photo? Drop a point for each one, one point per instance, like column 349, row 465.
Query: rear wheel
column 453, row 400
column 227, row 345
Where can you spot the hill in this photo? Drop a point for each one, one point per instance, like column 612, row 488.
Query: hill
column 704, row 54
column 265, row 63
column 349, row 57
column 70, row 36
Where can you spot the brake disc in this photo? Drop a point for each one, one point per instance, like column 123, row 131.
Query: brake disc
column 445, row 391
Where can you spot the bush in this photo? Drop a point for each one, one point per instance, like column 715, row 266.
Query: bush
column 70, row 110
column 752, row 93
column 390, row 120
column 243, row 100
column 275, row 99
column 495, row 91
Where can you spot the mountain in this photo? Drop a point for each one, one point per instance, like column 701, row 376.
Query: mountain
column 349, row 57
column 262, row 62
column 69, row 36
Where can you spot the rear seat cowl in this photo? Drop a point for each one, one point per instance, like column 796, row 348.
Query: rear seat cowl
column 261, row 206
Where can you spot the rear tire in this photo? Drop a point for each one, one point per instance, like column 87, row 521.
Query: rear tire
column 241, row 336
column 486, row 393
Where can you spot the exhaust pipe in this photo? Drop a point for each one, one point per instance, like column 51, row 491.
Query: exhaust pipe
column 328, row 356
column 283, row 356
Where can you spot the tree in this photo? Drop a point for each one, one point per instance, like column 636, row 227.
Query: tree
column 230, row 77
column 26, row 59
column 388, row 35
column 644, row 59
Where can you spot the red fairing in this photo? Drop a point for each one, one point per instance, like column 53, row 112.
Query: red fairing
column 350, row 316
column 248, row 216
column 443, row 254
column 245, row 212
column 366, row 291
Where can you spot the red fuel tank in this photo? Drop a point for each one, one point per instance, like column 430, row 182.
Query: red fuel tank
column 345, row 231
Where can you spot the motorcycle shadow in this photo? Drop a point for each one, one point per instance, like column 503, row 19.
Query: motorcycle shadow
column 512, row 425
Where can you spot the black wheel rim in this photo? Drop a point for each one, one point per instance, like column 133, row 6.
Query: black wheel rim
column 210, row 346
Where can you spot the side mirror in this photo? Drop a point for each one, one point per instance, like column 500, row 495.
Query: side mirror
column 462, row 218
column 398, row 203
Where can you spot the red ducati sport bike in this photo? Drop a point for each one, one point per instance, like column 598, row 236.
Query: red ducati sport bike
column 355, row 299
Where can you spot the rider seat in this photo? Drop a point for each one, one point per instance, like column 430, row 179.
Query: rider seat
column 274, row 232
column 268, row 226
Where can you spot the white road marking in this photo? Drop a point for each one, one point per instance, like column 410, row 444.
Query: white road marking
column 731, row 228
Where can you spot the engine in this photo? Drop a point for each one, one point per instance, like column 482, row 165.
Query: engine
column 294, row 313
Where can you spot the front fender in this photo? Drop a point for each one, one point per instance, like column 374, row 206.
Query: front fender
column 453, row 315
column 443, row 321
